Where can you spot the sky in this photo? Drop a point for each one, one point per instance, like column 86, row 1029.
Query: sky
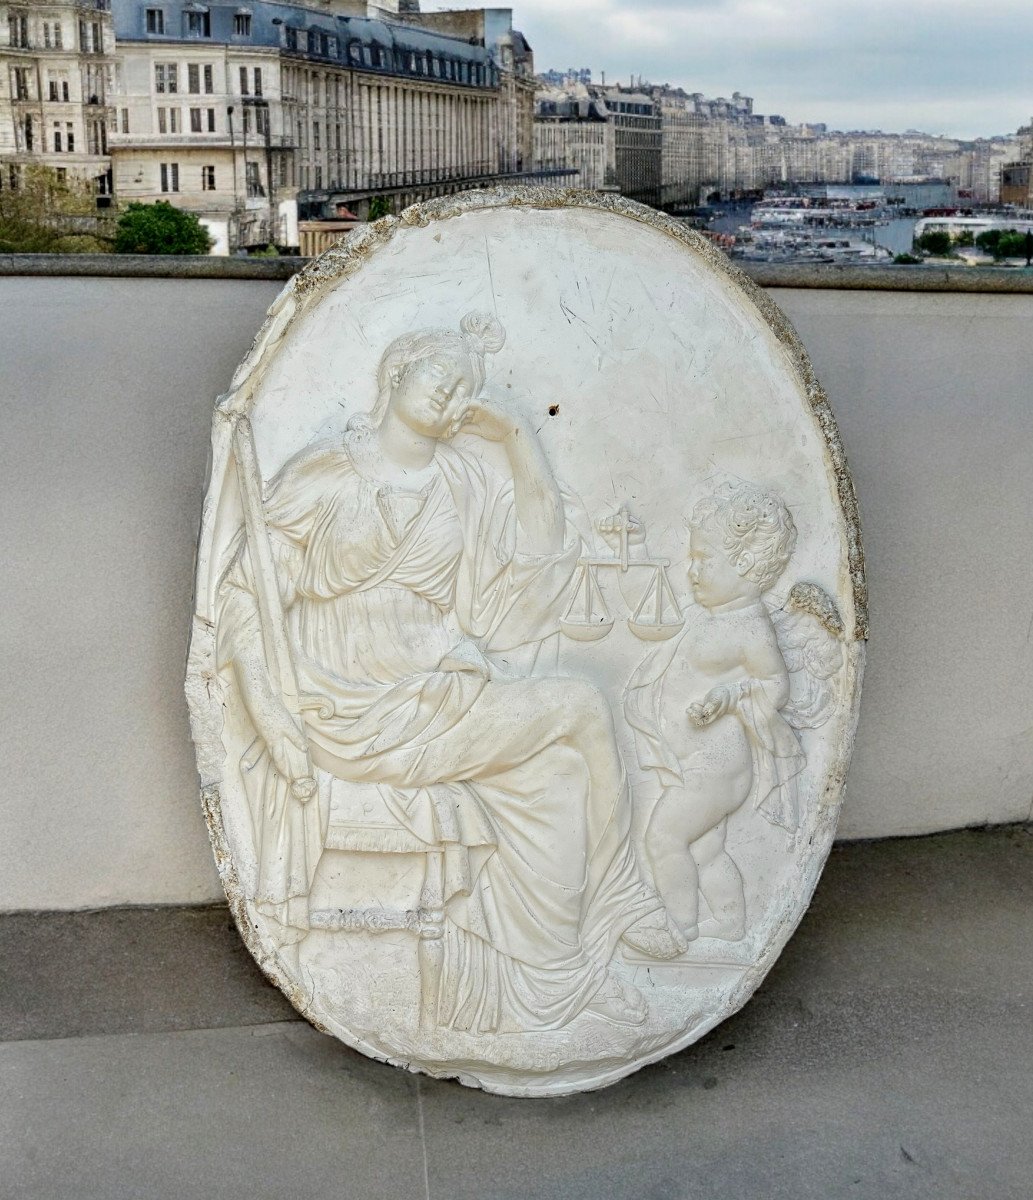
column 958, row 67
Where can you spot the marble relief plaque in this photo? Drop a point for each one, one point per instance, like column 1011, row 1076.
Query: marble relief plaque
column 528, row 639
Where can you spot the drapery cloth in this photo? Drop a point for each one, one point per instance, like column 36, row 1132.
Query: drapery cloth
column 395, row 599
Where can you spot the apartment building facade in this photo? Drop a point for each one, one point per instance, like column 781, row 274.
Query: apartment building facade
column 249, row 113
column 56, row 72
column 574, row 130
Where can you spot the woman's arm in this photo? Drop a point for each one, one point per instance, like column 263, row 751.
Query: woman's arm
column 539, row 507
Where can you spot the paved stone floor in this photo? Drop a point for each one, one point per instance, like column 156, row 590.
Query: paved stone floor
column 889, row 1054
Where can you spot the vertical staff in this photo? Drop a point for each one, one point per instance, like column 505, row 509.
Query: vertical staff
column 275, row 642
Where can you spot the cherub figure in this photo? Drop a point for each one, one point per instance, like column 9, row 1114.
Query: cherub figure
column 709, row 708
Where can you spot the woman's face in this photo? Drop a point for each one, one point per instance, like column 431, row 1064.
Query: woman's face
column 431, row 392
column 714, row 579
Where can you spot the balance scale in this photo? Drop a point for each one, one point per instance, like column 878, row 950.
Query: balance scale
column 657, row 615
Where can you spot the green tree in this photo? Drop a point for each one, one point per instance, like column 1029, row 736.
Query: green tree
column 379, row 207
column 990, row 241
column 160, row 228
column 906, row 259
column 1002, row 243
column 934, row 241
column 50, row 214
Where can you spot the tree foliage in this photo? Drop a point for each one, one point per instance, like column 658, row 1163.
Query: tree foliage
column 1002, row 243
column 160, row 228
column 379, row 207
column 49, row 214
column 934, row 241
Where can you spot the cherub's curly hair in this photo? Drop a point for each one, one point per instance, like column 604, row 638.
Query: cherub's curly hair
column 479, row 334
column 754, row 527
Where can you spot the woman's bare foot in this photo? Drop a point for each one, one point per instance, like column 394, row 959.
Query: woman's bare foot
column 658, row 936
column 619, row 1002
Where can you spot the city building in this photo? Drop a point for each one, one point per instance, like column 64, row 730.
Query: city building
column 638, row 159
column 574, row 129
column 251, row 114
column 56, row 64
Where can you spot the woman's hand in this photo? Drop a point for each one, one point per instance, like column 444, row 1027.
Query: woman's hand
column 716, row 703
column 486, row 418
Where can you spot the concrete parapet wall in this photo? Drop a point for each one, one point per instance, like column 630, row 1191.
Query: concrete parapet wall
column 109, row 388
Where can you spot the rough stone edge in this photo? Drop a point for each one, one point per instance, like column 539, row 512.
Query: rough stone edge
column 344, row 259
column 882, row 278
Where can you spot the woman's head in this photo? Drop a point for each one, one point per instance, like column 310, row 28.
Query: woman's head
column 740, row 533
column 427, row 376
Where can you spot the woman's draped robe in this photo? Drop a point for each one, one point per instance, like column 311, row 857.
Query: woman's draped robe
column 390, row 596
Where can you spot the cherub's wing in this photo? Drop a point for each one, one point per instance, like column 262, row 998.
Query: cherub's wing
column 810, row 636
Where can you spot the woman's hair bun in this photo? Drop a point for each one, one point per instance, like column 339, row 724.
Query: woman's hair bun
column 483, row 332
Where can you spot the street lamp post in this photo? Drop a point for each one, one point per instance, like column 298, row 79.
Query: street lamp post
column 233, row 159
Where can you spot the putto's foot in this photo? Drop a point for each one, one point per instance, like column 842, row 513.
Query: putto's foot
column 619, row 1002
column 658, row 936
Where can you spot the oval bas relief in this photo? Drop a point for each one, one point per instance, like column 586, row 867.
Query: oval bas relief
column 528, row 639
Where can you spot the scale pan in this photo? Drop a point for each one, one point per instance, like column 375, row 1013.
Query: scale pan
column 586, row 631
column 650, row 631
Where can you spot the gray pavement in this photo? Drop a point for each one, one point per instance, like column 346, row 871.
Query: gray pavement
column 887, row 1055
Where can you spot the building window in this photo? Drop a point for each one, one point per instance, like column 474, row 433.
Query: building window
column 163, row 124
column 241, row 24
column 19, row 30
column 315, row 136
column 155, row 20
column 46, row 35
column 125, row 120
column 57, row 138
column 262, row 121
column 21, row 83
column 202, row 120
column 27, row 133
column 258, row 81
column 207, row 179
column 290, row 37
column 209, row 87
column 170, row 177
column 69, row 137
column 254, row 182
column 198, row 24
column 244, row 82
column 165, row 77
column 193, row 78
column 62, row 177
